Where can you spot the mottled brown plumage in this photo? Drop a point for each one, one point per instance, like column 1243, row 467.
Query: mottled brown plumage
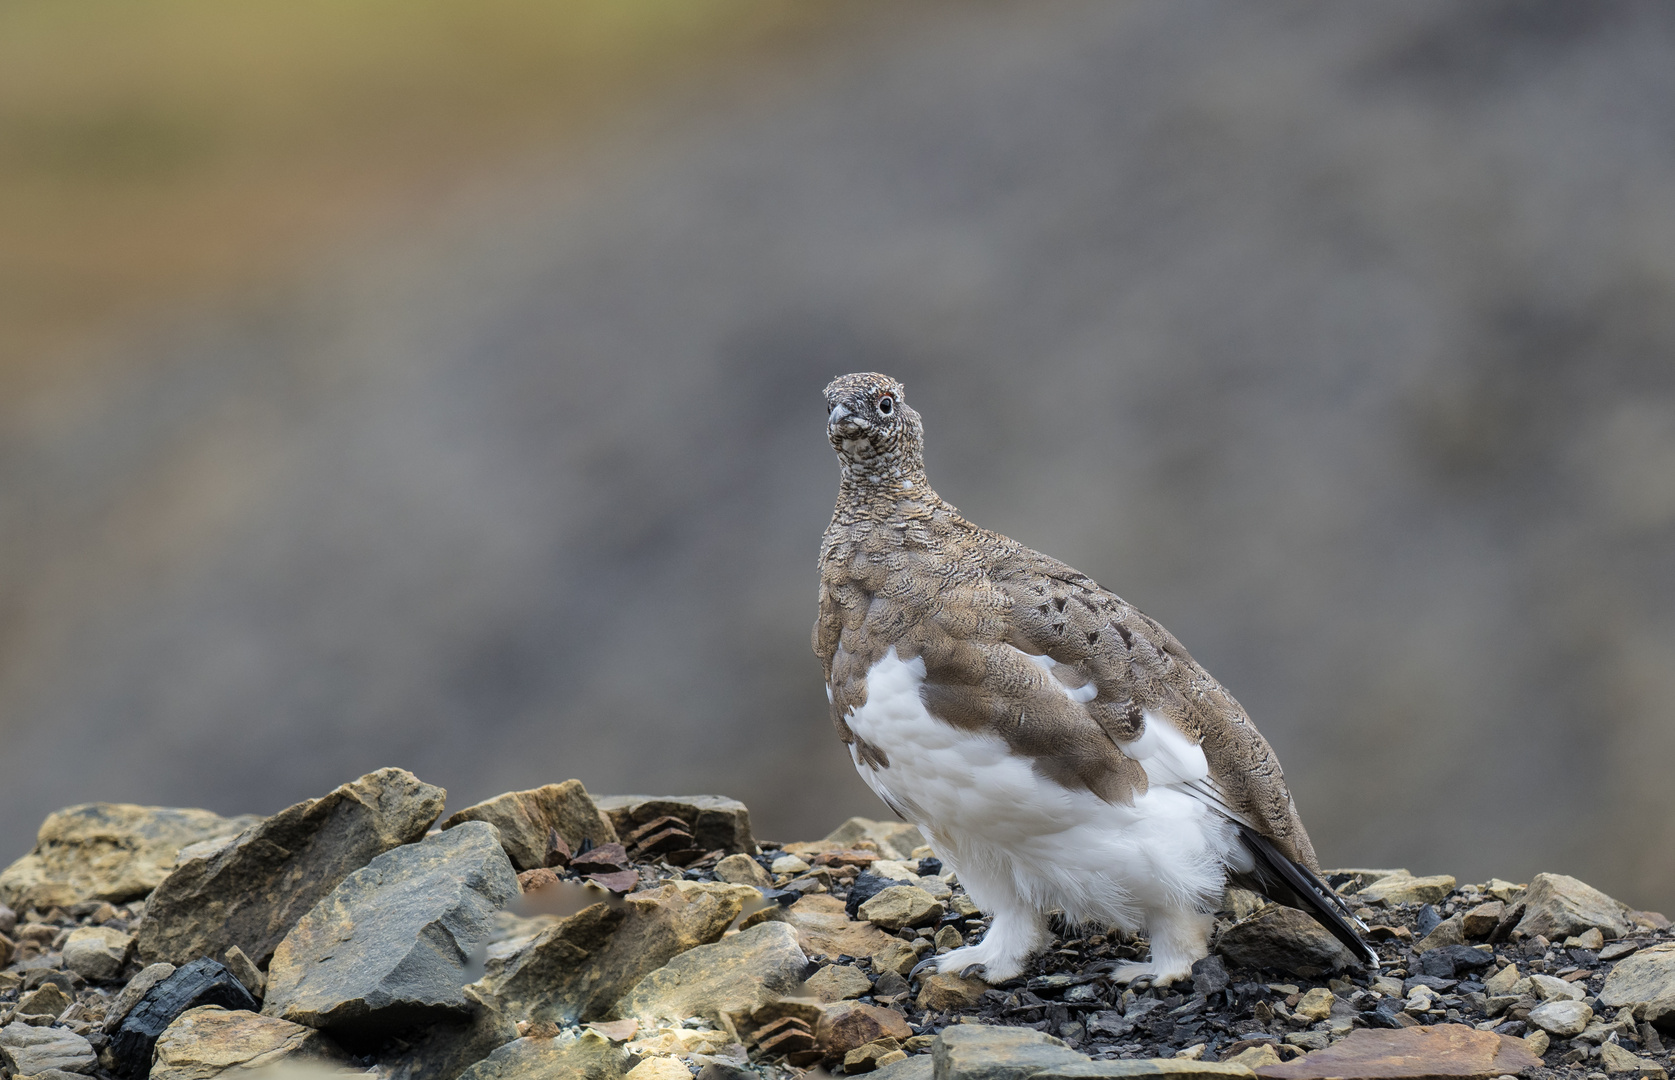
column 900, row 568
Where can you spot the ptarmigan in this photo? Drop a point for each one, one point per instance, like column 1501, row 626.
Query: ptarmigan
column 1060, row 748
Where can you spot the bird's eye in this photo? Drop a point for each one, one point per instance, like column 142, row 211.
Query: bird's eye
column 886, row 405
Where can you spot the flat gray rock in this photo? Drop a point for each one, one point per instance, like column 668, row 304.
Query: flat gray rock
column 31, row 1050
column 982, row 1052
column 389, row 946
column 250, row 891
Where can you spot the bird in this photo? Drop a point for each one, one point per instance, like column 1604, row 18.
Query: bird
column 1060, row 748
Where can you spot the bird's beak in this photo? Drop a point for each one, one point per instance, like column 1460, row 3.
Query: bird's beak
column 844, row 422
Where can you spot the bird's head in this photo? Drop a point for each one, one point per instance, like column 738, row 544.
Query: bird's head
column 878, row 438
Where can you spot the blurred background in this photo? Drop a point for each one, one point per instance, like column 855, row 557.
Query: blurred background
column 423, row 383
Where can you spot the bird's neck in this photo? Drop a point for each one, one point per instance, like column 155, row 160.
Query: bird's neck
column 886, row 495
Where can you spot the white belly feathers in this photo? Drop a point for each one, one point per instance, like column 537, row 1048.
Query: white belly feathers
column 1063, row 848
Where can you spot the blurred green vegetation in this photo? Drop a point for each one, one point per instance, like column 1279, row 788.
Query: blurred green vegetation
column 151, row 151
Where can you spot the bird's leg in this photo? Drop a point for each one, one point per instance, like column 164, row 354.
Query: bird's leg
column 1179, row 939
column 1017, row 931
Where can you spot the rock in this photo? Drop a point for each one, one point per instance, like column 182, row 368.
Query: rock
column 716, row 1070
column 1537, row 1043
column 788, row 864
column 981, row 1052
column 825, row 930
column 716, row 822
column 131, row 994
column 1556, row 907
column 525, row 819
column 1447, row 932
column 838, row 982
column 900, row 873
column 1562, row 1018
column 246, row 972
column 1590, row 939
column 107, row 851
column 918, row 1067
column 30, row 1051
column 202, row 982
column 250, row 891
column 1548, row 988
column 895, row 839
column 1173, row 1068
column 1451, row 961
column 659, row 1068
column 901, row 906
column 1284, row 939
column 865, row 1059
column 388, row 946
column 1502, row 981
column 1316, row 1005
column 1255, row 1057
column 1481, row 920
column 679, row 1039
column 898, row 957
column 577, row 968
column 207, row 1041
column 1617, row 1060
column 742, row 870
column 97, row 953
column 1646, row 976
column 47, row 1000
column 1403, row 888
column 949, row 991
column 853, row 1024
column 734, row 975
column 581, row 1057
column 441, row 1051
column 1411, row 1053
column 1209, row 976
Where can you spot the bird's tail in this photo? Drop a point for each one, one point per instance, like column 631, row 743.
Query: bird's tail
column 1282, row 879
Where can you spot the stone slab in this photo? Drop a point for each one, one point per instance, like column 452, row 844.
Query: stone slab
column 1440, row 1052
column 251, row 890
column 524, row 819
column 107, row 851
column 389, row 946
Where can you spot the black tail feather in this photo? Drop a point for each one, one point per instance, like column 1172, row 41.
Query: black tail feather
column 1282, row 879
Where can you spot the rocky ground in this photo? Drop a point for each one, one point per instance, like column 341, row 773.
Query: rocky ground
column 549, row 933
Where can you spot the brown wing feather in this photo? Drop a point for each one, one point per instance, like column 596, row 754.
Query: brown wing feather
column 1137, row 665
